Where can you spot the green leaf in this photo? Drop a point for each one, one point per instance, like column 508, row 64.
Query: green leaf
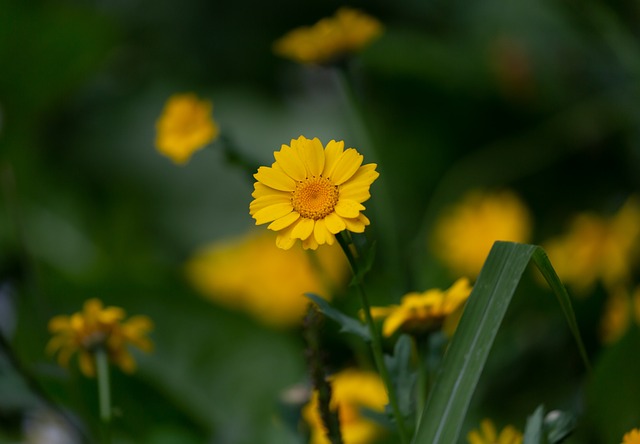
column 467, row 354
column 558, row 426
column 402, row 375
column 533, row 432
column 347, row 323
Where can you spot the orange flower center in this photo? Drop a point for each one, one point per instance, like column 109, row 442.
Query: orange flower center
column 315, row 197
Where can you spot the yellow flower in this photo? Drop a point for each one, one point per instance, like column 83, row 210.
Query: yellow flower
column 597, row 248
column 465, row 232
column 352, row 390
column 95, row 327
column 185, row 126
column 488, row 435
column 330, row 39
column 312, row 193
column 621, row 309
column 251, row 274
column 631, row 437
column 423, row 312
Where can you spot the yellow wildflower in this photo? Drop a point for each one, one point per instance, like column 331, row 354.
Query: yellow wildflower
column 330, row 39
column 424, row 312
column 621, row 309
column 352, row 390
column 251, row 274
column 312, row 193
column 97, row 327
column 465, row 232
column 597, row 248
column 631, row 437
column 185, row 126
column 488, row 435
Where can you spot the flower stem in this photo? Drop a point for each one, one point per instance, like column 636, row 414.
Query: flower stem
column 376, row 341
column 104, row 392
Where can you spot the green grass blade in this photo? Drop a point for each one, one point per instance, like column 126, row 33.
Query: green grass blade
column 469, row 348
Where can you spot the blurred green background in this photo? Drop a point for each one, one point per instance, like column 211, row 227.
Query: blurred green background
column 541, row 97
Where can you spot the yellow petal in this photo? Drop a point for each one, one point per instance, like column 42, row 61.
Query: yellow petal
column 312, row 155
column 284, row 221
column 320, row 232
column 354, row 225
column 278, row 197
column 356, row 191
column 291, row 163
column 488, row 430
column 474, row 438
column 284, row 239
column 87, row 366
column 275, row 179
column 334, row 223
column 332, row 153
column 348, row 208
column 310, row 243
column 59, row 323
column 393, row 322
column 347, row 165
column 272, row 213
column 303, row 229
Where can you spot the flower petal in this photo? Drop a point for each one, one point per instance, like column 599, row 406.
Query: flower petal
column 348, row 208
column 275, row 179
column 277, row 197
column 284, row 239
column 346, row 166
column 320, row 232
column 332, row 153
column 334, row 223
column 284, row 221
column 303, row 229
column 312, row 154
column 291, row 163
column 310, row 243
column 272, row 213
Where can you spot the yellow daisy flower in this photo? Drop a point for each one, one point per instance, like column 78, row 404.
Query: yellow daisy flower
column 423, row 312
column 488, row 434
column 272, row 288
column 185, row 126
column 597, row 248
column 620, row 311
column 352, row 390
column 312, row 193
column 330, row 39
column 95, row 327
column 631, row 437
column 466, row 231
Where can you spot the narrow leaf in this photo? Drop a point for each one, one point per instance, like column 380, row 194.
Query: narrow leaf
column 469, row 348
column 533, row 433
column 402, row 375
column 347, row 323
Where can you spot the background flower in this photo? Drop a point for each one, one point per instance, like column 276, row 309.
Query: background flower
column 487, row 434
column 185, row 126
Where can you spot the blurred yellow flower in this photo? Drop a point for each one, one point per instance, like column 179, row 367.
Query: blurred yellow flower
column 330, row 39
column 597, row 248
column 631, row 437
column 251, row 274
column 185, row 126
column 97, row 327
column 621, row 309
column 466, row 231
column 312, row 193
column 488, row 434
column 352, row 390
column 424, row 312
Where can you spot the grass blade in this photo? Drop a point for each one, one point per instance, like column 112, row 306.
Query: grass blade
column 469, row 348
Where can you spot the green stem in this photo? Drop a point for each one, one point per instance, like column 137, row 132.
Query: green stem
column 423, row 375
column 376, row 341
column 104, row 392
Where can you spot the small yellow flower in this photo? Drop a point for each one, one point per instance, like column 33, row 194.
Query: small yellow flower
column 251, row 274
column 631, row 437
column 330, row 39
column 96, row 327
column 185, row 126
column 312, row 193
column 424, row 312
column 488, row 435
column 621, row 309
column 465, row 232
column 597, row 248
column 352, row 390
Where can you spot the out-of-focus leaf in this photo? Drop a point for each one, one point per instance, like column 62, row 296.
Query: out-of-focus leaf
column 402, row 375
column 347, row 323
column 533, row 432
column 558, row 426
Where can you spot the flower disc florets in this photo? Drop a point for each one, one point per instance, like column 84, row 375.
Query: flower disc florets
column 312, row 192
